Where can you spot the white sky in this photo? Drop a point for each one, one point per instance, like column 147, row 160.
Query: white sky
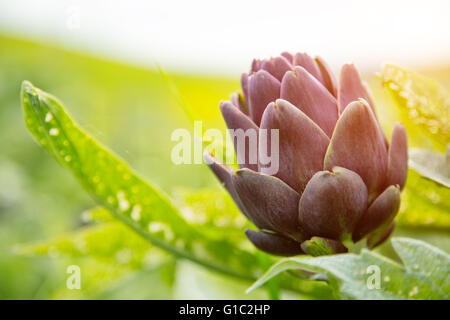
column 223, row 36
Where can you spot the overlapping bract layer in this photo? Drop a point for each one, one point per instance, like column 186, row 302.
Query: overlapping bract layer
column 338, row 177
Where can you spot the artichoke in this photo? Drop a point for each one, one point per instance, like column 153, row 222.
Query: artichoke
column 338, row 180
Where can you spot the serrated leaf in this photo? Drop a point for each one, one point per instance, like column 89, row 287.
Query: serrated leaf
column 425, row 273
column 121, row 191
column 424, row 105
column 431, row 165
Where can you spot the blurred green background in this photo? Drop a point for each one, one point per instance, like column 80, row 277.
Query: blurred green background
column 133, row 111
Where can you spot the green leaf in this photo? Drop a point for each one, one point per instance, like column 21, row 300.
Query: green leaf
column 424, row 203
column 425, row 273
column 96, row 215
column 130, row 287
column 105, row 253
column 431, row 165
column 427, row 263
column 121, row 191
column 213, row 211
column 424, row 109
column 424, row 105
column 111, row 242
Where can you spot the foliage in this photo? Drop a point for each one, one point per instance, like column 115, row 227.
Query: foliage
column 424, row 108
column 432, row 165
column 424, row 104
column 425, row 273
column 116, row 187
column 424, row 204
